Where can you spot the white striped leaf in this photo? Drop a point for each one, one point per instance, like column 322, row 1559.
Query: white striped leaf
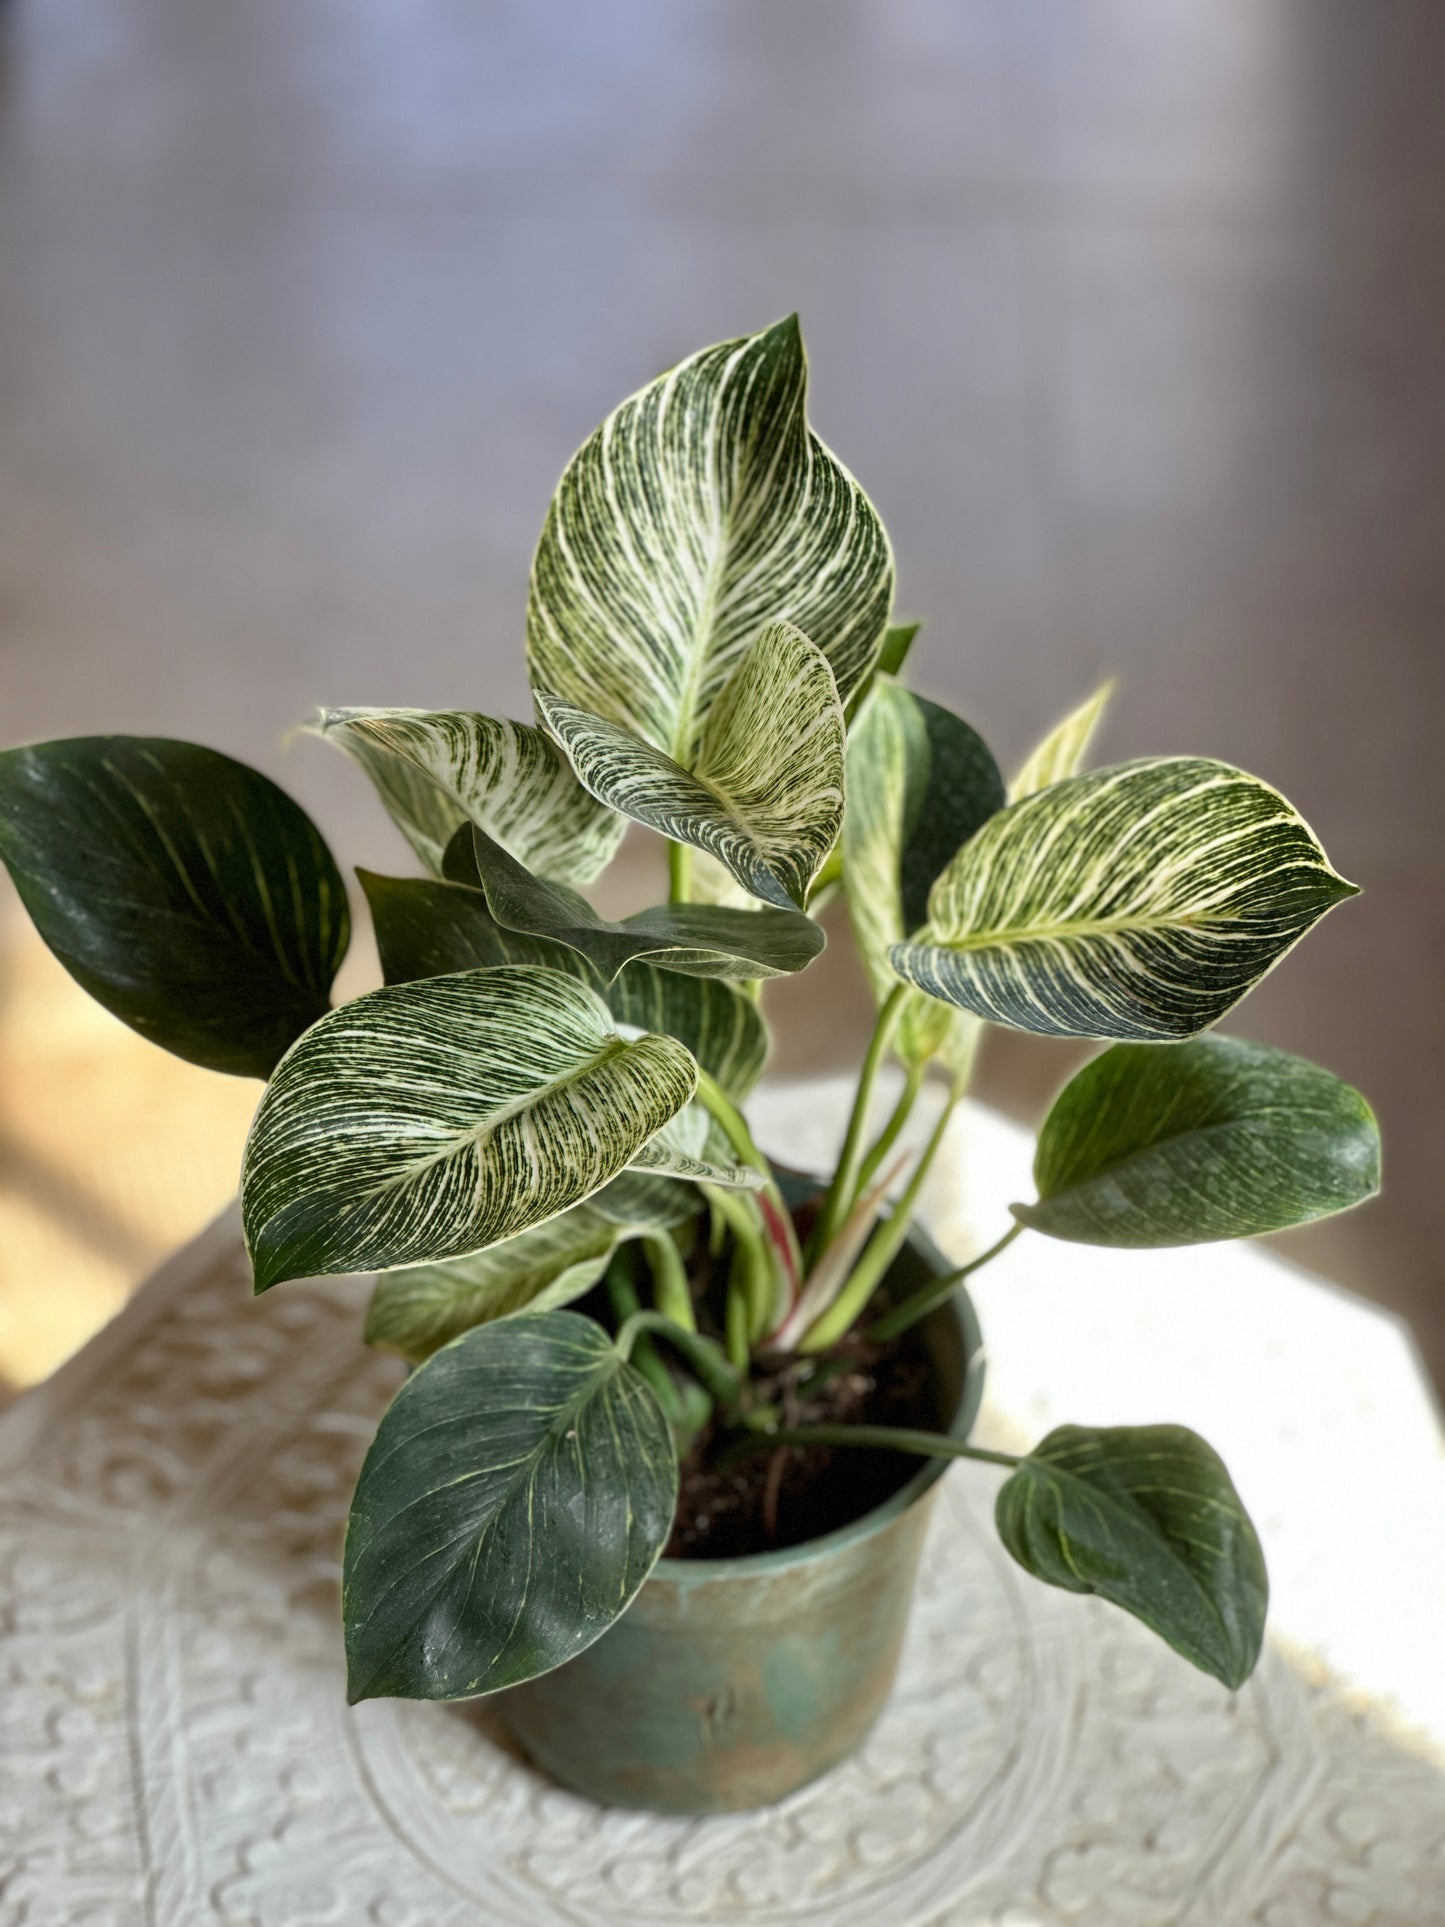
column 920, row 782
column 422, row 1307
column 517, row 1493
column 700, row 940
column 1147, row 1517
column 437, row 768
column 1155, row 1145
column 1139, row 902
column 429, row 929
column 764, row 793
column 428, row 1120
column 702, row 508
column 1063, row 750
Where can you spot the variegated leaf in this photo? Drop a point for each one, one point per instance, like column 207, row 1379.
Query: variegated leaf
column 1063, row 750
column 428, row 1120
column 418, row 1309
column 764, row 793
column 1139, row 902
column 920, row 782
column 429, row 929
column 699, row 940
column 898, row 641
column 437, row 768
column 702, row 508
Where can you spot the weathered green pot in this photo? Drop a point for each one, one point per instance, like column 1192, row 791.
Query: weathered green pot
column 730, row 1682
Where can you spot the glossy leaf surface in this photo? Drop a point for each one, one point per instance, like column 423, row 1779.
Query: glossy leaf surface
column 1147, row 1517
column 920, row 783
column 763, row 794
column 187, row 893
column 1139, row 902
column 700, row 940
column 517, row 1493
column 701, row 509
column 428, row 1120
column 437, row 768
column 428, row 929
column 1178, row 1144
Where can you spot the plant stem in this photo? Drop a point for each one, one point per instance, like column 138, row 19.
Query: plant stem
column 882, row 1248
column 785, row 1260
column 889, row 1438
column 754, row 1270
column 679, row 872
column 623, row 1293
column 840, row 1191
column 888, row 1136
column 706, row 1358
column 670, row 1291
column 736, row 1317
column 905, row 1316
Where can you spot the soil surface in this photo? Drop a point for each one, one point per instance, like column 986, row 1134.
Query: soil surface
column 783, row 1497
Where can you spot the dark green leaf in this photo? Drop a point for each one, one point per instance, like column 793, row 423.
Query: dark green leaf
column 1175, row 1144
column 427, row 929
column 516, row 1495
column 187, row 893
column 702, row 940
column 1147, row 1517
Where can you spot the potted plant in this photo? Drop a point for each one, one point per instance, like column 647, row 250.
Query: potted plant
column 662, row 1464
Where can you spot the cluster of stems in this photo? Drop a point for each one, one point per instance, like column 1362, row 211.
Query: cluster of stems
column 769, row 1275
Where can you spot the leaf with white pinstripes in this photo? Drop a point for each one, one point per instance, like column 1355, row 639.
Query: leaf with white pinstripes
column 518, row 1491
column 1179, row 1144
column 437, row 768
column 764, row 794
column 429, row 929
column 185, row 892
column 1063, row 750
column 1147, row 1517
column 698, row 939
column 920, row 783
column 428, row 1120
column 1139, row 902
column 702, row 508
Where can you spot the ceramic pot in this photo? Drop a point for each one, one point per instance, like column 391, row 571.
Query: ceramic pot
column 730, row 1682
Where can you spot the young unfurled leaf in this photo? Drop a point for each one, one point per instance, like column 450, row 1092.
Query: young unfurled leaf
column 1178, row 1144
column 763, row 793
column 187, row 893
column 429, row 1120
column 428, row 929
column 518, row 1491
column 1139, row 902
column 1063, row 750
column 920, row 783
column 1147, row 1517
column 437, row 768
column 700, row 940
column 898, row 642
column 702, row 508
column 417, row 1310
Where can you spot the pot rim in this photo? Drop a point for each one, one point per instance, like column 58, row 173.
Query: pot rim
column 697, row 1572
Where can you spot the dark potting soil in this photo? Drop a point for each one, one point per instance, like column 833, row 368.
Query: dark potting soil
column 783, row 1497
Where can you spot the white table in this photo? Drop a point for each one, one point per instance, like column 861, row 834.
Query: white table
column 176, row 1749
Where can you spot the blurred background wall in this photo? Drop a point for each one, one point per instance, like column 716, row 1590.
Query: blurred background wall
column 1128, row 313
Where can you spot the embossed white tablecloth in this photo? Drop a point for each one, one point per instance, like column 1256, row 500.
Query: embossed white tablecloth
column 175, row 1749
